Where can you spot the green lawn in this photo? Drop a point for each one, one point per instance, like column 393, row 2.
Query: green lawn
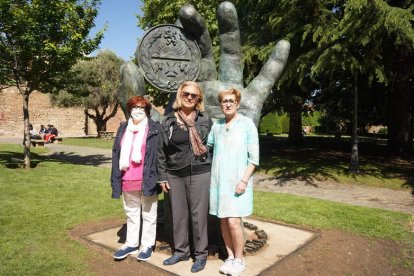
column 322, row 214
column 319, row 158
column 326, row 158
column 92, row 142
column 39, row 206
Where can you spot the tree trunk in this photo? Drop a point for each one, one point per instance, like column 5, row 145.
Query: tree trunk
column 26, row 138
column 99, row 118
column 399, row 115
column 354, row 165
column 100, row 124
column 86, row 124
column 295, row 126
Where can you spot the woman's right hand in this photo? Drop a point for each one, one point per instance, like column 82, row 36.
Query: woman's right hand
column 164, row 186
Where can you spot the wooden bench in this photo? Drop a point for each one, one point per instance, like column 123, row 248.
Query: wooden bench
column 38, row 143
column 106, row 135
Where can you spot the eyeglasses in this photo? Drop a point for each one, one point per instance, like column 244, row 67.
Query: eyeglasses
column 142, row 108
column 188, row 94
column 229, row 101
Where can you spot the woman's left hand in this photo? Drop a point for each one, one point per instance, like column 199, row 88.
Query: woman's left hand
column 241, row 188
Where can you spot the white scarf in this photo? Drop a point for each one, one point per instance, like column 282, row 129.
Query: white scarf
column 127, row 143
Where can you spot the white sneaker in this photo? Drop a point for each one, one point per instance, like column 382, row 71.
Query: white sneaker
column 225, row 268
column 237, row 268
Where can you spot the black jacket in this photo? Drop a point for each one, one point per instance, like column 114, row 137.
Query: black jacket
column 149, row 183
column 170, row 156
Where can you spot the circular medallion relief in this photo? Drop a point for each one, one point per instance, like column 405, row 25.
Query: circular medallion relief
column 168, row 57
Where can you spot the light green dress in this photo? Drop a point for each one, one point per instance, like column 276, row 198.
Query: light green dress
column 234, row 149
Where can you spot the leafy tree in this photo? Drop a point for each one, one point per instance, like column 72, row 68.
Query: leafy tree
column 336, row 100
column 93, row 84
column 157, row 12
column 331, row 42
column 297, row 21
column 39, row 41
column 375, row 40
column 312, row 119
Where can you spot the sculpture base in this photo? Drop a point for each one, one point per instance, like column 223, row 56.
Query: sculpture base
column 281, row 241
column 256, row 239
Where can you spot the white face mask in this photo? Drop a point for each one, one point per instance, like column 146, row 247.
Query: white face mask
column 138, row 114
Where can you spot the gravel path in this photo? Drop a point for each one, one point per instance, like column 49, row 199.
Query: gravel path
column 383, row 198
column 400, row 200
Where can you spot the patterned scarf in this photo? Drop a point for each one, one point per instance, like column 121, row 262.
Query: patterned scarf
column 196, row 142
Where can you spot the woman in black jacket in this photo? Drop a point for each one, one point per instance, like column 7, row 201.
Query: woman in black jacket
column 184, row 167
column 134, row 175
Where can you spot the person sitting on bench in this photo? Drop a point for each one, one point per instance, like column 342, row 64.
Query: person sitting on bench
column 33, row 133
column 52, row 133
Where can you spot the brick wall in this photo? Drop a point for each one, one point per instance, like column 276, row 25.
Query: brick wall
column 70, row 122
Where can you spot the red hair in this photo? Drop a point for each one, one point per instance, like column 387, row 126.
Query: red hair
column 141, row 101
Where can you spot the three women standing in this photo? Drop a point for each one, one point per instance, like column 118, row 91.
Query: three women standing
column 134, row 176
column 236, row 154
column 183, row 169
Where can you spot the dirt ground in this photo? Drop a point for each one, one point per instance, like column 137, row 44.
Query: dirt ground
column 332, row 253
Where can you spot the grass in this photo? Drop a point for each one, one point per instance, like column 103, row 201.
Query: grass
column 40, row 205
column 320, row 158
column 92, row 142
column 16, row 151
column 322, row 214
column 325, row 158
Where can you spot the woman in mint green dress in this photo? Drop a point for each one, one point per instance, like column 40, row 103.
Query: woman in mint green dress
column 236, row 154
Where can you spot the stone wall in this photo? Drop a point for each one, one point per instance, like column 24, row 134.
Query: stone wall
column 70, row 122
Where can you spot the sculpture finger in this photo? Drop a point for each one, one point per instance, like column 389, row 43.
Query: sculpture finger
column 231, row 66
column 194, row 24
column 262, row 84
column 132, row 84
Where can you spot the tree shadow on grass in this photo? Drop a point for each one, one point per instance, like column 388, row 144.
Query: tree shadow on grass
column 74, row 158
column 14, row 160
column 327, row 158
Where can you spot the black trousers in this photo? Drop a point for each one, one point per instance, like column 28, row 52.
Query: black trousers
column 189, row 197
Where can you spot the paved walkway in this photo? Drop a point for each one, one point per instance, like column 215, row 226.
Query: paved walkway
column 401, row 200
column 383, row 198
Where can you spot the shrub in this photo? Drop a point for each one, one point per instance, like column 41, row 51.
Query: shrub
column 285, row 121
column 383, row 130
column 270, row 124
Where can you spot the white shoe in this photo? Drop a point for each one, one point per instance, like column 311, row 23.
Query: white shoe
column 225, row 268
column 237, row 268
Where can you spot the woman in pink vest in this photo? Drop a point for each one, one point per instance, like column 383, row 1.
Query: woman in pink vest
column 134, row 176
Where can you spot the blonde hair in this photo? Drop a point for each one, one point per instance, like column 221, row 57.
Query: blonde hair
column 178, row 100
column 231, row 91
